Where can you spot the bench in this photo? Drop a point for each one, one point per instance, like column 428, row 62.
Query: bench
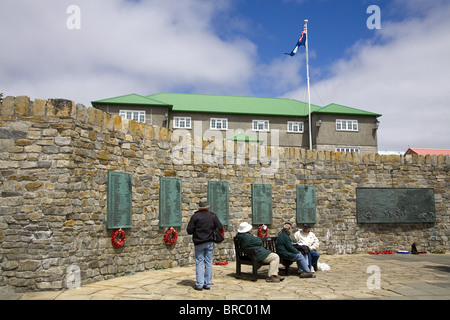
column 248, row 257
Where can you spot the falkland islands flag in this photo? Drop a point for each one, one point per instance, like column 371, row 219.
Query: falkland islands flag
column 300, row 42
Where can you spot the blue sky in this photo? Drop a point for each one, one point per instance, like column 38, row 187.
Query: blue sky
column 114, row 47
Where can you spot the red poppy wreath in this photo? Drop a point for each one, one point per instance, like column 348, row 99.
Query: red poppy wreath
column 117, row 243
column 170, row 236
column 263, row 231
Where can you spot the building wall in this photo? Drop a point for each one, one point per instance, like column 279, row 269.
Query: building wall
column 243, row 123
column 54, row 160
column 154, row 115
column 326, row 137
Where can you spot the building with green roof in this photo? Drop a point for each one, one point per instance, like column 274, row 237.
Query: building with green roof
column 272, row 121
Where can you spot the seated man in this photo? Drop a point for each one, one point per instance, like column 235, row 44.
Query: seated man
column 307, row 238
column 249, row 242
column 287, row 252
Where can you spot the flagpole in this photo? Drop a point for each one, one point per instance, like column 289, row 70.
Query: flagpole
column 309, row 92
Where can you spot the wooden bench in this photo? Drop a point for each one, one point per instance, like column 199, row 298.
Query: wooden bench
column 248, row 257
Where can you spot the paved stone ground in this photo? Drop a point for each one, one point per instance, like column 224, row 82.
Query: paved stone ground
column 402, row 277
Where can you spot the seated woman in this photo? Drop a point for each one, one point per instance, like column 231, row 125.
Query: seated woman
column 286, row 251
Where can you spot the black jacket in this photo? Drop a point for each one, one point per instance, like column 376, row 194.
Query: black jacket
column 202, row 226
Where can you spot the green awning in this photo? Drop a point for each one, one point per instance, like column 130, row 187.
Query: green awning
column 245, row 137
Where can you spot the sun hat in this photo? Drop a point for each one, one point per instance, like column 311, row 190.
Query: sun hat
column 287, row 227
column 244, row 227
column 203, row 204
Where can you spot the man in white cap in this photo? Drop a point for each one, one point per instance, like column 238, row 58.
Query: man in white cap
column 307, row 238
column 202, row 226
column 249, row 242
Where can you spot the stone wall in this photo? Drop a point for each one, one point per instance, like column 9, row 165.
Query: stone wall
column 54, row 159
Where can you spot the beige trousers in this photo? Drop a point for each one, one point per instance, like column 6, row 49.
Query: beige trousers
column 274, row 262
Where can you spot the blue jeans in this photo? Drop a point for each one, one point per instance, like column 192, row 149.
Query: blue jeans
column 313, row 257
column 203, row 264
column 302, row 263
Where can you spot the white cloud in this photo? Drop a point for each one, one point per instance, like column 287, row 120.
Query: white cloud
column 405, row 77
column 122, row 47
column 150, row 46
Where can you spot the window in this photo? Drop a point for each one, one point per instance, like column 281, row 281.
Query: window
column 132, row 114
column 294, row 126
column 219, row 124
column 182, row 122
column 260, row 125
column 347, row 125
column 348, row 149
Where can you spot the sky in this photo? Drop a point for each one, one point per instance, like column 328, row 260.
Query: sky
column 90, row 50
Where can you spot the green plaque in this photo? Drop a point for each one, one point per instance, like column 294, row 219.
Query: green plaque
column 118, row 201
column 261, row 204
column 395, row 205
column 306, row 204
column 218, row 199
column 169, row 202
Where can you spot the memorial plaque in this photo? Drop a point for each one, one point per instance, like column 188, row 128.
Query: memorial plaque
column 261, row 204
column 218, row 199
column 169, row 202
column 306, row 204
column 395, row 205
column 118, row 200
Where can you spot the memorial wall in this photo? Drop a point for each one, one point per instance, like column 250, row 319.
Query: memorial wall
column 70, row 176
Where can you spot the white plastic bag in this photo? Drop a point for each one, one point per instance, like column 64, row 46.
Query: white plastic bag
column 322, row 266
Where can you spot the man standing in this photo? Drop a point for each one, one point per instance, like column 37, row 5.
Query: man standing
column 202, row 226
column 307, row 238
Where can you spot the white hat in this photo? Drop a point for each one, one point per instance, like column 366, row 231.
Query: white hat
column 244, row 227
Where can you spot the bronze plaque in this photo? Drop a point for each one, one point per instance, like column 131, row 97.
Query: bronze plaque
column 118, row 200
column 169, row 202
column 261, row 204
column 395, row 205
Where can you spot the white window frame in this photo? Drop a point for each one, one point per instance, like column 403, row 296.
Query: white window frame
column 182, row 122
column 137, row 115
column 295, row 126
column 218, row 124
column 348, row 149
column 260, row 125
column 346, row 125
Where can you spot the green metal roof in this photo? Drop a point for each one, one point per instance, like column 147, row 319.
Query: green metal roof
column 204, row 103
column 339, row 109
column 130, row 99
column 234, row 104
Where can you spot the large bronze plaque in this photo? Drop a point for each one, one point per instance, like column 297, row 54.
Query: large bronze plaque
column 395, row 205
column 306, row 204
column 118, row 200
column 261, row 204
column 169, row 202
column 219, row 200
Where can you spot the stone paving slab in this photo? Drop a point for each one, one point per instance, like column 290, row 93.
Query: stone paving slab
column 414, row 277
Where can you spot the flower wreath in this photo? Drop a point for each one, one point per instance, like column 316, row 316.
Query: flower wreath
column 174, row 236
column 262, row 234
column 118, row 243
column 382, row 252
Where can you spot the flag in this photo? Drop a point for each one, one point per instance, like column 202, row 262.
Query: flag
column 300, row 42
